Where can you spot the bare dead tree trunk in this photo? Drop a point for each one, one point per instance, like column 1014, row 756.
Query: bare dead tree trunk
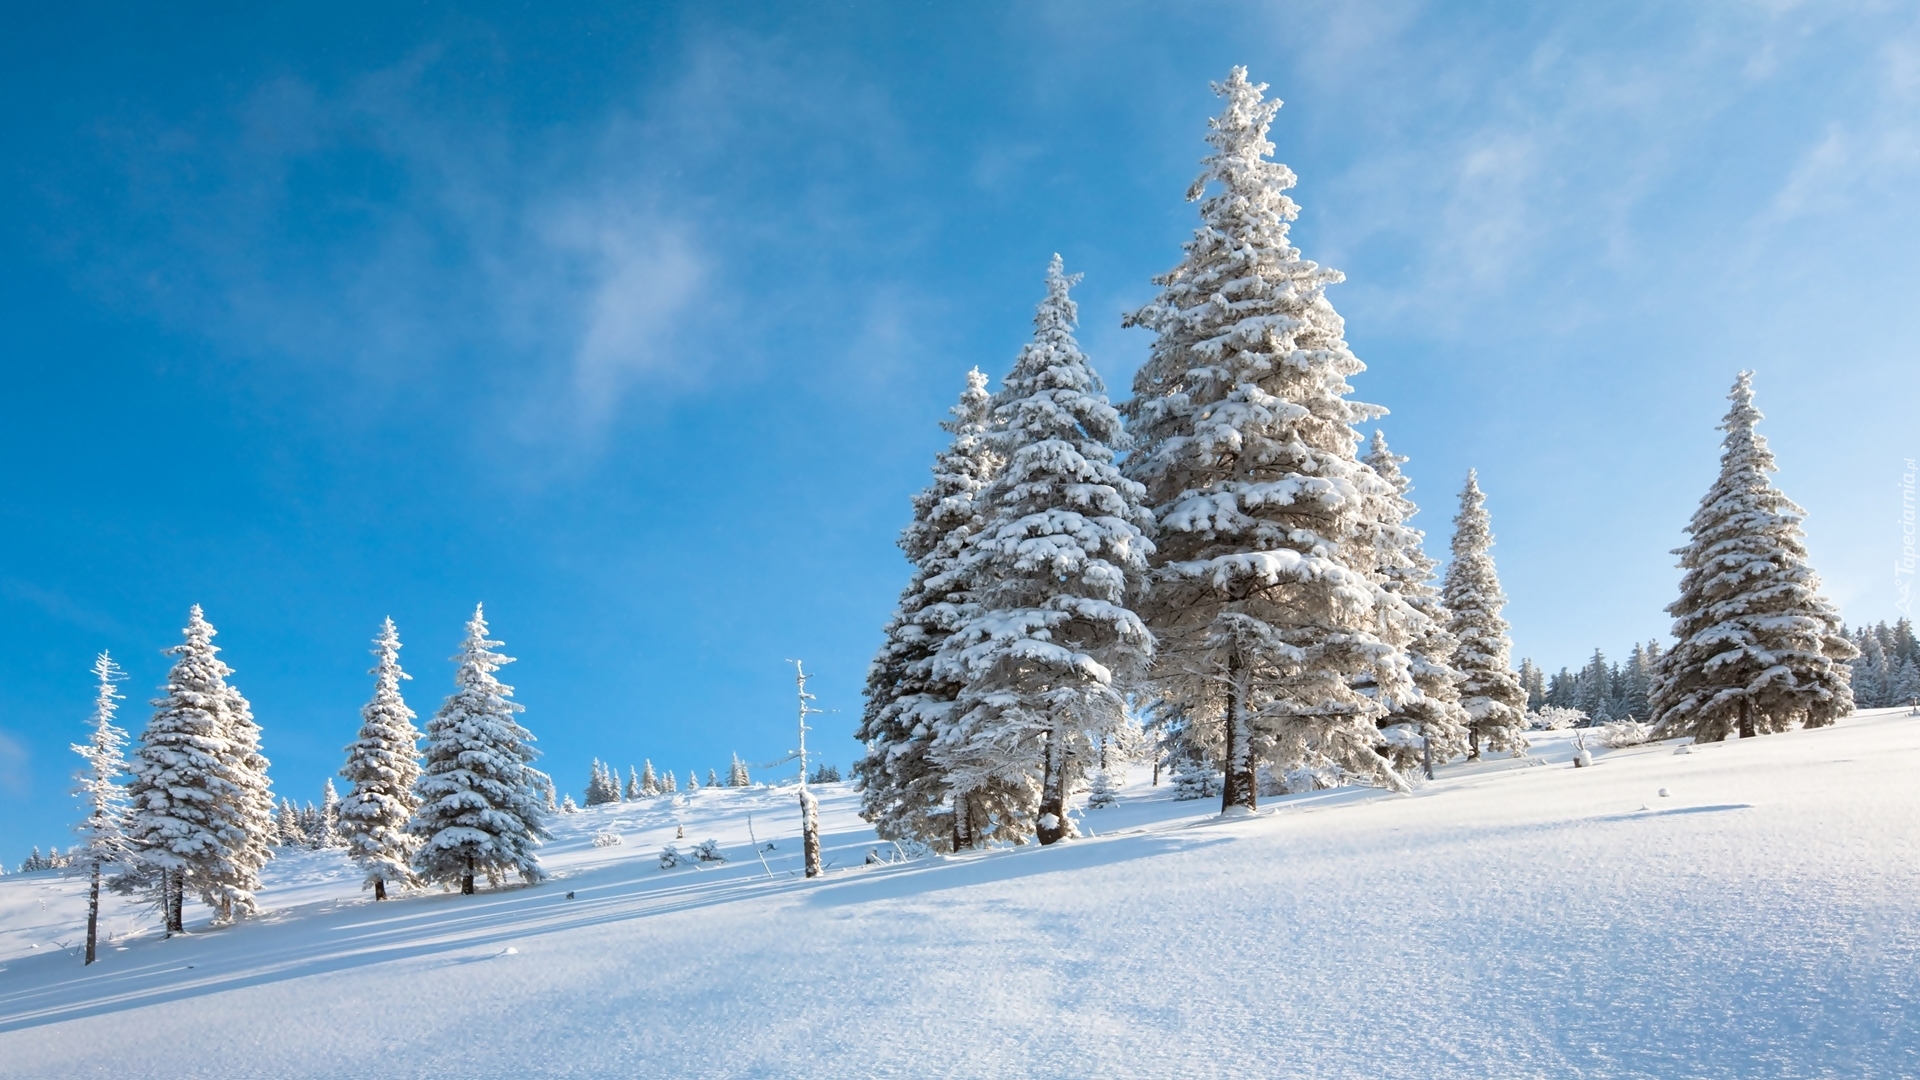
column 93, row 911
column 810, row 831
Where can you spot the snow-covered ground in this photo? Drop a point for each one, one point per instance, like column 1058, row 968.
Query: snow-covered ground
column 1511, row 919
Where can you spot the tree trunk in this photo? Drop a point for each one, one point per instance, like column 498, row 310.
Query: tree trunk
column 466, row 879
column 1156, row 770
column 93, row 912
column 1238, row 788
column 1053, row 793
column 810, row 831
column 962, row 824
column 379, row 888
column 173, row 885
column 1473, row 744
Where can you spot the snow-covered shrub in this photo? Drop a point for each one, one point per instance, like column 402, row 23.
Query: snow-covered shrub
column 670, row 857
column 1624, row 733
column 606, row 838
column 1194, row 780
column 708, row 851
column 1301, row 778
column 1555, row 718
column 1403, row 746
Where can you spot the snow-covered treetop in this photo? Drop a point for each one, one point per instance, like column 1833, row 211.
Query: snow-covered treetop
column 1743, row 502
column 1245, row 431
column 1403, row 560
column 1062, row 510
column 1472, row 591
column 1244, row 307
column 944, row 508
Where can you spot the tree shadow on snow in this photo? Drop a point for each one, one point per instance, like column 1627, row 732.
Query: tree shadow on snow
column 333, row 937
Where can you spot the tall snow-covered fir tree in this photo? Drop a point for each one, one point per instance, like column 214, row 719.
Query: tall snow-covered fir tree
column 903, row 791
column 1052, row 646
column 480, row 797
column 649, row 784
column 1494, row 699
column 382, row 765
column 1433, row 709
column 289, row 828
column 103, row 831
column 202, row 812
column 329, row 835
column 1265, row 596
column 1758, row 648
column 737, row 774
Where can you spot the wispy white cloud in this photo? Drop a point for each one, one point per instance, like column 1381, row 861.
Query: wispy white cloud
column 14, row 760
column 569, row 262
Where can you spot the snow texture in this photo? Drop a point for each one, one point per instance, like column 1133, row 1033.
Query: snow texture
column 1763, row 920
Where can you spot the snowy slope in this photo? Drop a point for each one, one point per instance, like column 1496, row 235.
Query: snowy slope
column 1509, row 919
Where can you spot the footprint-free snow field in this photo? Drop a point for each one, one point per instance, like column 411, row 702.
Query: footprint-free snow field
column 1510, row 919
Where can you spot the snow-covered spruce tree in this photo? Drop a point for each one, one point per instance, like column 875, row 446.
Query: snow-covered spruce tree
column 633, row 784
column 480, row 796
column 737, row 773
column 649, row 784
column 602, row 788
column 289, row 829
column 1433, row 710
column 670, row 787
column 329, row 836
column 1758, row 648
column 103, row 831
column 1265, row 597
column 382, row 765
column 201, row 810
column 903, row 791
column 1491, row 693
column 1052, row 647
column 713, row 778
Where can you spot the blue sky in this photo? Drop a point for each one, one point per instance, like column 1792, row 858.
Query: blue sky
column 636, row 325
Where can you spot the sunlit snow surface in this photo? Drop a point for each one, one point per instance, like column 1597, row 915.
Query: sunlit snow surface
column 1511, row 919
